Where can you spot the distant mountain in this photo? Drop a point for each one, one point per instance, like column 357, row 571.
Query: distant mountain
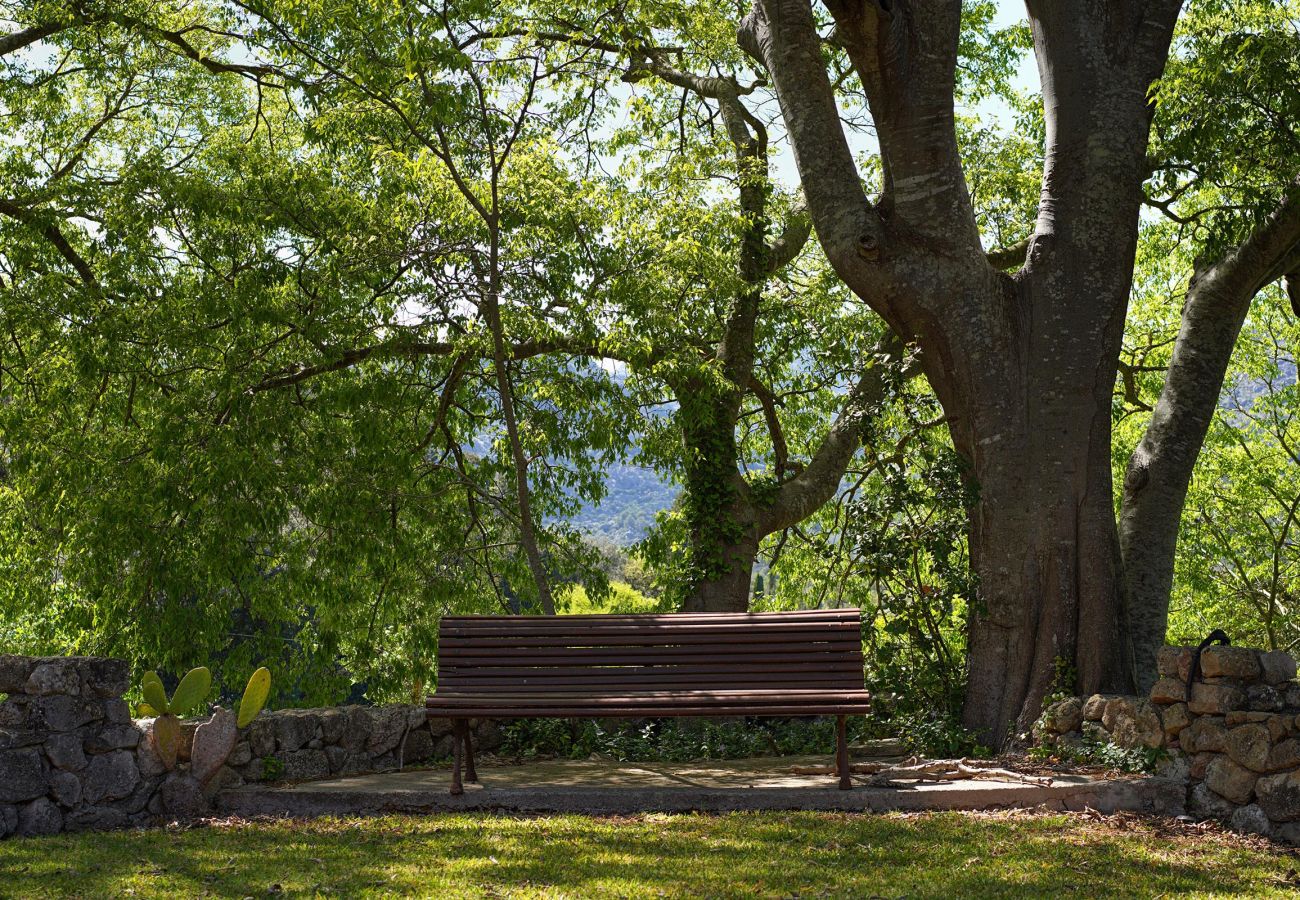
column 628, row 510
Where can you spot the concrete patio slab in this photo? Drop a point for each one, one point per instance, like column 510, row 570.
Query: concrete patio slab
column 609, row 788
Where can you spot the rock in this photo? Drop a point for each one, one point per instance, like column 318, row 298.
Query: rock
column 14, row 672
column 293, row 730
column 1284, row 755
column 13, row 714
column 1277, row 667
column 440, row 727
column 1175, row 718
column 1174, row 662
column 1215, row 699
column 182, row 797
column 8, row 820
column 1228, row 779
column 1265, row 698
column 1200, row 762
column 65, row 788
column 64, row 752
column 1279, row 727
column 416, row 717
column 12, row 739
column 1249, row 820
column 213, row 743
column 63, row 713
column 96, row 818
column 40, row 817
column 1062, row 717
column 332, row 724
column 113, row 737
column 1203, row 803
column 304, row 765
column 52, row 678
column 1230, row 662
column 148, row 760
column 417, row 748
column 315, row 744
column 357, row 731
column 117, row 712
column 186, row 744
column 336, row 757
column 1137, row 725
column 24, row 775
column 110, row 776
column 104, row 676
column 1176, row 767
column 1115, row 708
column 388, row 726
column 1168, row 690
column 223, row 779
column 1095, row 732
column 139, row 798
column 241, row 755
column 386, row 762
column 1249, row 746
column 1286, row 832
column 1243, row 716
column 1291, row 695
column 261, row 735
column 1279, row 796
column 1205, row 734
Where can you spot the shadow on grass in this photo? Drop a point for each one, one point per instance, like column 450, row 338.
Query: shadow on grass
column 774, row 854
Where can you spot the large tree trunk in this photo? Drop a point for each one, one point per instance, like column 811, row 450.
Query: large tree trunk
column 1160, row 469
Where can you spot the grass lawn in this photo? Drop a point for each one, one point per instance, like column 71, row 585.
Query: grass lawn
column 947, row 855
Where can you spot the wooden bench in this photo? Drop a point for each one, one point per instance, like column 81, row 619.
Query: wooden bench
column 634, row 666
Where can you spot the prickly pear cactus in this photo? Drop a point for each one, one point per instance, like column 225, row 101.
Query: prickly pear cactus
column 167, row 738
column 152, row 688
column 191, row 691
column 255, row 694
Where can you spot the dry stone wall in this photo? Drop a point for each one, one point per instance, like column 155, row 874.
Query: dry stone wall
column 72, row 758
column 1235, row 738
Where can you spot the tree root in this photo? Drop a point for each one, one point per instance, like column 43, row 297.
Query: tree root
column 889, row 775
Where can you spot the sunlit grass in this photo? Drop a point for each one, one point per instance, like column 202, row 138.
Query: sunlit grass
column 767, row 854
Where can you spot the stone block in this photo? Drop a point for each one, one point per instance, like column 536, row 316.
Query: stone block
column 53, row 678
column 418, row 747
column 96, row 818
column 1174, row 662
column 1215, row 699
column 112, row 737
column 1062, row 716
column 1199, row 763
column 1277, row 667
column 293, row 730
column 1169, row 690
column 14, row 738
column 14, row 672
column 441, row 727
column 1230, row 780
column 242, row 754
column 1243, row 716
column 1280, row 727
column 103, row 676
column 139, row 797
column 13, row 713
column 8, row 819
column 1230, row 662
column 1175, row 718
column 65, row 787
column 110, row 776
column 1279, row 796
column 1203, row 803
column 1205, row 734
column 1135, row 725
column 1284, row 755
column 1265, row 698
column 304, row 765
column 116, row 711
column 63, row 713
column 261, row 735
column 333, row 722
column 356, row 733
column 39, row 817
column 147, row 759
column 388, row 724
column 182, row 797
column 386, row 762
column 223, row 779
column 1249, row 820
column 1290, row 695
column 1249, row 745
column 64, row 751
column 24, row 775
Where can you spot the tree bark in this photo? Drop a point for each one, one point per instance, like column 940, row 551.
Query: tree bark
column 1160, row 470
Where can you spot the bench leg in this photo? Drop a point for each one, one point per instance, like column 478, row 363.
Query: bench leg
column 842, row 754
column 468, row 737
column 456, row 753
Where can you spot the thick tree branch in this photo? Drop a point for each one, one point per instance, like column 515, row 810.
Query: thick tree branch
column 55, row 237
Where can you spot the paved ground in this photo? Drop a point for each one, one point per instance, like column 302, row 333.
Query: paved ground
column 608, row 788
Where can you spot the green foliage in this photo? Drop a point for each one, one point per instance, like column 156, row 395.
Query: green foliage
column 254, row 698
column 272, row 768
column 1106, row 754
column 672, row 740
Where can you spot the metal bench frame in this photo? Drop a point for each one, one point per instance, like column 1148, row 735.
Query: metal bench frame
column 648, row 666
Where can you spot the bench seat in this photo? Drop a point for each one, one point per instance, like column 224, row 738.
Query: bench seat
column 649, row 666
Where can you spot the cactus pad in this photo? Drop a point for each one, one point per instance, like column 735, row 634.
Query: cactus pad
column 255, row 694
column 154, row 695
column 191, row 691
column 167, row 738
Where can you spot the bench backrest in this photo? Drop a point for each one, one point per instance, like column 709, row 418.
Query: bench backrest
column 816, row 649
